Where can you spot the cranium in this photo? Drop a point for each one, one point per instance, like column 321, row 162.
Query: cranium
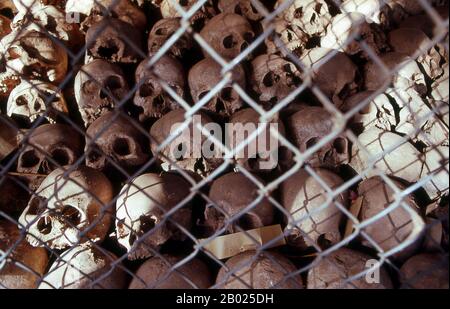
column 162, row 31
column 205, row 75
column 68, row 209
column 189, row 150
column 312, row 16
column 8, row 8
column 230, row 195
column 49, row 146
column 336, row 267
column 113, row 137
column 374, row 10
column 142, row 205
column 200, row 17
column 34, row 55
column 261, row 154
column 291, row 35
column 407, row 74
column 425, row 271
column 85, row 266
column 303, row 197
column 228, row 34
column 308, row 127
column 99, row 87
column 151, row 97
column 409, row 41
column 33, row 99
column 273, row 78
column 153, row 274
column 96, row 10
column 25, row 264
column 241, row 7
column 347, row 30
column 337, row 78
column 266, row 270
column 114, row 40
column 395, row 227
column 51, row 19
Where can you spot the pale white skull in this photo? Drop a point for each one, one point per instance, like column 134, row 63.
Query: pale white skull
column 374, row 10
column 85, row 266
column 142, row 205
column 35, row 55
column 68, row 209
column 437, row 164
column 33, row 99
column 291, row 35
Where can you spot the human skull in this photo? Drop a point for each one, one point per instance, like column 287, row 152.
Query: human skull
column 51, row 19
column 162, row 31
column 337, row 78
column 273, row 78
column 312, row 16
column 25, row 264
column 374, row 10
column 228, row 34
column 241, row 7
column 261, row 154
column 230, row 195
column 347, row 30
column 190, row 150
column 407, row 73
column 303, row 197
column 391, row 229
column 8, row 8
column 99, row 87
column 141, row 226
column 151, row 97
column 425, row 271
column 49, row 147
column 264, row 270
column 291, row 35
column 205, row 76
column 114, row 40
column 85, row 266
column 34, row 55
column 114, row 137
column 68, row 209
column 337, row 267
column 96, row 10
column 33, row 99
column 154, row 274
column 409, row 41
column 198, row 20
column 312, row 124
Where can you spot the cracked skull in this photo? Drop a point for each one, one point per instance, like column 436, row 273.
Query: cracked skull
column 33, row 99
column 228, row 34
column 99, row 86
column 206, row 75
column 141, row 226
column 114, row 138
column 151, row 97
column 68, row 209
column 308, row 127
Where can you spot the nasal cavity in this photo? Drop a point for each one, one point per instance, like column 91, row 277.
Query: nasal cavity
column 70, row 215
column 108, row 50
column 44, row 225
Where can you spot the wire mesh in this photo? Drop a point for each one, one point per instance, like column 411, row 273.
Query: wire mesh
column 136, row 136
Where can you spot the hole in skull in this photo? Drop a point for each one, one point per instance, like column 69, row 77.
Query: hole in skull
column 202, row 95
column 254, row 10
column 111, row 83
column 162, row 31
column 37, row 106
column 21, row 100
column 184, row 3
column 70, row 215
column 237, row 9
column 7, row 12
column 244, row 46
column 158, row 102
column 270, row 79
column 311, row 142
column 108, row 51
column 29, row 159
column 60, row 156
column 220, row 106
column 227, row 94
column 340, row 145
column 37, row 206
column 229, row 42
column 298, row 13
column 248, row 37
column 94, row 155
column 146, row 90
column 199, row 166
column 44, row 225
column 51, row 24
column 313, row 18
column 121, row 147
column 318, row 7
column 248, row 222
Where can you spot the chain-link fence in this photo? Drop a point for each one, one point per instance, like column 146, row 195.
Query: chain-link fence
column 224, row 144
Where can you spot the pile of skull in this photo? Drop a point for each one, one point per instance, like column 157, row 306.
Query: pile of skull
column 93, row 195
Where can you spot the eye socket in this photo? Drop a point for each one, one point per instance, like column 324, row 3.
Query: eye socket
column 70, row 215
column 44, row 225
column 311, row 142
column 60, row 156
column 248, row 37
column 122, row 147
column 146, row 90
column 21, row 101
column 340, row 145
column 36, row 206
column 229, row 42
column 90, row 87
column 29, row 159
column 227, row 94
column 270, row 79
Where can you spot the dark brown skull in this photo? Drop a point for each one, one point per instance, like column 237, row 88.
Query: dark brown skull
column 114, row 40
column 99, row 86
column 231, row 194
column 310, row 125
column 228, row 34
column 151, row 96
column 205, row 75
column 120, row 141
column 241, row 7
column 161, row 33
